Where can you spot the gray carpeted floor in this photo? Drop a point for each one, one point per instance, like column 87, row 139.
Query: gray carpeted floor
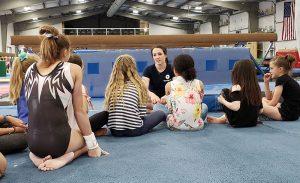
column 269, row 152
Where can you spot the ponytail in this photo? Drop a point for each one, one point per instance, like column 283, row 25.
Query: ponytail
column 290, row 59
column 52, row 44
column 286, row 62
column 189, row 74
column 16, row 80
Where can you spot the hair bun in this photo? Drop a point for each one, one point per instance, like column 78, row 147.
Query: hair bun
column 47, row 29
column 290, row 58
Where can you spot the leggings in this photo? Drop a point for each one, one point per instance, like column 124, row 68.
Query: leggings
column 149, row 122
column 13, row 143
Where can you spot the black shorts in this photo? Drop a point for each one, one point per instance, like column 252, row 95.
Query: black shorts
column 286, row 115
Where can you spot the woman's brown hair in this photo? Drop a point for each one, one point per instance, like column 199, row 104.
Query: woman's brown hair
column 76, row 59
column 52, row 44
column 244, row 74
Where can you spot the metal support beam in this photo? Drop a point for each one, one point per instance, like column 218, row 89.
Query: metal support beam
column 27, row 25
column 215, row 27
column 241, row 6
column 156, row 21
column 253, row 20
column 3, row 35
column 173, row 11
column 12, row 4
column 50, row 11
column 116, row 5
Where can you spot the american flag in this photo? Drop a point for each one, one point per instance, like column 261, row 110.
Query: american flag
column 288, row 30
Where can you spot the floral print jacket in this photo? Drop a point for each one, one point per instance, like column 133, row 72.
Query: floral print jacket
column 184, row 103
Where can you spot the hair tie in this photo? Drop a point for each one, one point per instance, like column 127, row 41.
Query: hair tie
column 286, row 57
column 49, row 35
column 22, row 56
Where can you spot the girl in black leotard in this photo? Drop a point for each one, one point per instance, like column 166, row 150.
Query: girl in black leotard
column 242, row 103
column 53, row 93
column 285, row 87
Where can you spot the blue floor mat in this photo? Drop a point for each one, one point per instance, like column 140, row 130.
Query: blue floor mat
column 219, row 153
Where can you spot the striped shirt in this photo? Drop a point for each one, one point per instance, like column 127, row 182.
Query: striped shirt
column 126, row 113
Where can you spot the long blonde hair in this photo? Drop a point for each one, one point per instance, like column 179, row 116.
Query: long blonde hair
column 124, row 70
column 16, row 80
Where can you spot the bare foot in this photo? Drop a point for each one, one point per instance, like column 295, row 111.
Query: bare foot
column 212, row 119
column 57, row 163
column 101, row 132
column 37, row 160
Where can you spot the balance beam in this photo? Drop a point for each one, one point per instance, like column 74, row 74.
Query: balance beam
column 146, row 41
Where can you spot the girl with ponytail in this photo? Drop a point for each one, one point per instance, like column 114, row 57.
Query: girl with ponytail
column 285, row 87
column 53, row 89
column 16, row 90
column 184, row 97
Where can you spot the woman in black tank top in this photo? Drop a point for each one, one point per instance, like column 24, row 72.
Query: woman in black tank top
column 53, row 93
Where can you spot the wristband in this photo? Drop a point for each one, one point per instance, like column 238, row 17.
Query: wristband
column 91, row 141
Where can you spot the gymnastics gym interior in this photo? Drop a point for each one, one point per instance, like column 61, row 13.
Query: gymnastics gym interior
column 216, row 33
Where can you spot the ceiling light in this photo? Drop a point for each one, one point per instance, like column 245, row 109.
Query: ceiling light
column 35, row 19
column 81, row 1
column 135, row 11
column 149, row 1
column 198, row 8
column 175, row 18
column 78, row 11
column 27, row 8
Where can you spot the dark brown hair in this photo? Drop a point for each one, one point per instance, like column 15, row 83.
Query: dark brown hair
column 286, row 62
column 52, row 44
column 164, row 49
column 244, row 74
column 76, row 59
column 184, row 65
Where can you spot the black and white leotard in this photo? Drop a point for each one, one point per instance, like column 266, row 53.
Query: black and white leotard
column 49, row 100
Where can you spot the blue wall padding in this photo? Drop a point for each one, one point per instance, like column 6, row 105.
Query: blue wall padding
column 231, row 64
column 211, row 65
column 219, row 62
column 93, row 68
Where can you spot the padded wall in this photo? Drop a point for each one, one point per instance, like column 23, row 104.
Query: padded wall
column 213, row 65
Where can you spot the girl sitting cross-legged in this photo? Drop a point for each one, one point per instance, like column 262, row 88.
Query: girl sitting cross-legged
column 285, row 87
column 184, row 97
column 125, row 100
column 242, row 103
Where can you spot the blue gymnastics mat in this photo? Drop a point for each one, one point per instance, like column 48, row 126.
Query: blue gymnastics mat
column 216, row 154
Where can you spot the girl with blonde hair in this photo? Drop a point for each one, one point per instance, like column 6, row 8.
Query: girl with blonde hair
column 16, row 87
column 126, row 97
column 285, row 87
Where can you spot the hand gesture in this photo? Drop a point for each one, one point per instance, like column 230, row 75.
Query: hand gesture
column 221, row 99
column 20, row 130
column 154, row 98
column 16, row 122
column 267, row 77
column 163, row 100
